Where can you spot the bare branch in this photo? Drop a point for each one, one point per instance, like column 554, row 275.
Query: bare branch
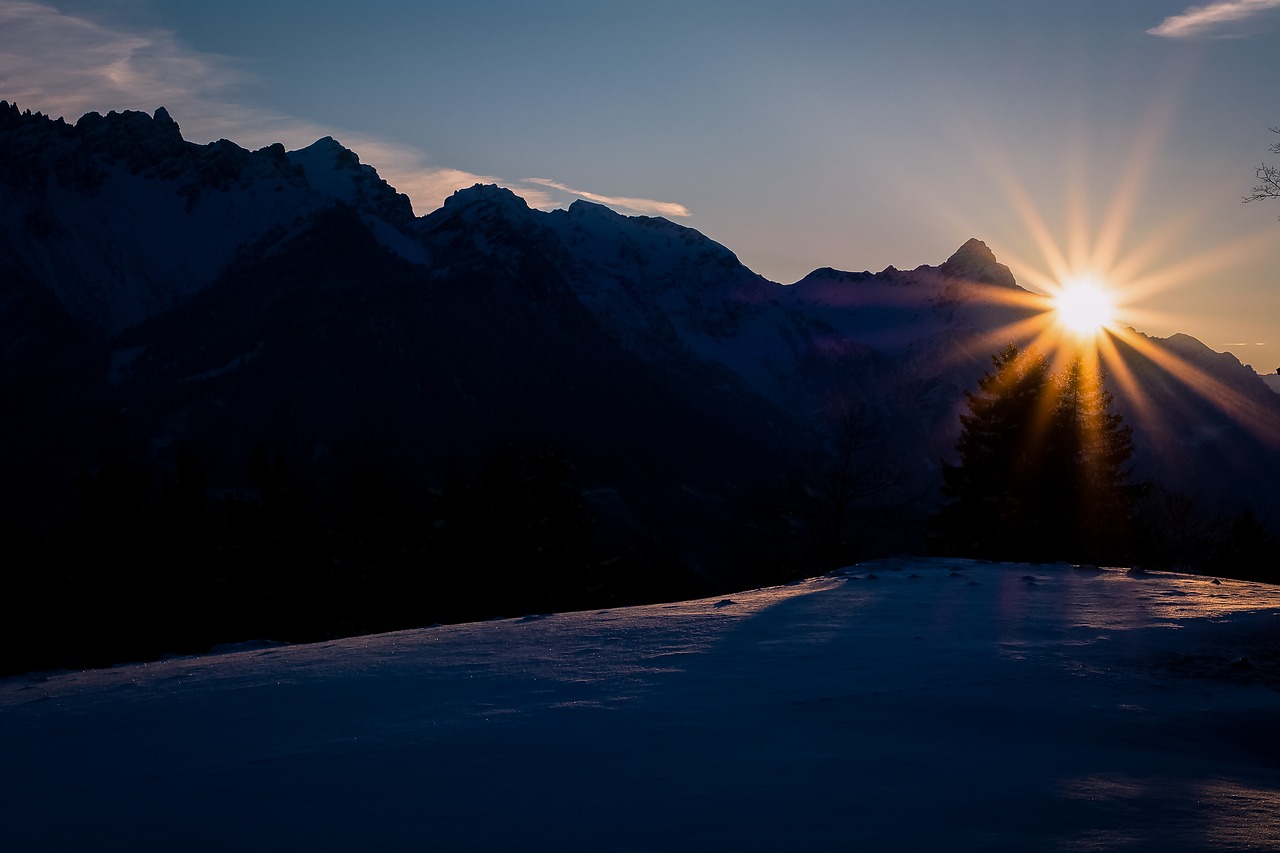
column 1268, row 177
column 1268, row 184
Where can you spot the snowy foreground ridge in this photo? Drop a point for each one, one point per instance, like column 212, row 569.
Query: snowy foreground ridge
column 894, row 705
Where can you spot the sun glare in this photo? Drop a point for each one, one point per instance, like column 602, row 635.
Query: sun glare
column 1086, row 286
column 1084, row 308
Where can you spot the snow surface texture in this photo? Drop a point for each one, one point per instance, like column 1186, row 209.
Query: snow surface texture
column 893, row 705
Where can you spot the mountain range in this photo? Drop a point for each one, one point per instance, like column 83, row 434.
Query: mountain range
column 161, row 296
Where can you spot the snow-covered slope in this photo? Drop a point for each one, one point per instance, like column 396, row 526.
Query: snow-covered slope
column 903, row 704
column 642, row 264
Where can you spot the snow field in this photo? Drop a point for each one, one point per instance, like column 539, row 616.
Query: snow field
column 904, row 704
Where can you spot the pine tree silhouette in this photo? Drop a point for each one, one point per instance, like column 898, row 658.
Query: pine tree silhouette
column 1041, row 472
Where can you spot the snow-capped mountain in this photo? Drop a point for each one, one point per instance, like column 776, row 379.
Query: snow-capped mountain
column 122, row 219
column 219, row 298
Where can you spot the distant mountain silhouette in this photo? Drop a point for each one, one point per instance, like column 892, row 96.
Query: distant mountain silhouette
column 158, row 294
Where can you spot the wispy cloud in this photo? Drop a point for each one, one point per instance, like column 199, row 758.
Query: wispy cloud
column 1211, row 18
column 67, row 65
column 639, row 205
column 99, row 67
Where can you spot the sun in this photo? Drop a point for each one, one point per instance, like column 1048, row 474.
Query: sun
column 1084, row 308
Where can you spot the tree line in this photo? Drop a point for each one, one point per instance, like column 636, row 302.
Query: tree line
column 147, row 560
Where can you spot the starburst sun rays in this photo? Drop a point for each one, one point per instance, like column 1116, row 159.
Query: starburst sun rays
column 1085, row 298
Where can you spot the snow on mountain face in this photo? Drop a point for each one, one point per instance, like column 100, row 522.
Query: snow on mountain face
column 905, row 705
column 665, row 291
column 663, row 286
column 492, row 219
column 333, row 170
column 483, row 199
column 337, row 172
column 123, row 219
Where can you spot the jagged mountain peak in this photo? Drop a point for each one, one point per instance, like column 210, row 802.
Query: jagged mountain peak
column 336, row 171
column 479, row 203
column 328, row 149
column 598, row 218
column 974, row 261
column 976, row 249
column 131, row 123
column 124, row 193
column 481, row 207
column 135, row 120
column 162, row 118
column 583, row 208
column 484, row 195
column 830, row 274
column 132, row 136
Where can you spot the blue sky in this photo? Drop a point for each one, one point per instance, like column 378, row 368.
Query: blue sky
column 1106, row 138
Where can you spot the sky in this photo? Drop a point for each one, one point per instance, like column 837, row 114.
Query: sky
column 1087, row 138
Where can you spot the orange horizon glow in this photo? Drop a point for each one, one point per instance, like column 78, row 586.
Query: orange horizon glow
column 1108, row 347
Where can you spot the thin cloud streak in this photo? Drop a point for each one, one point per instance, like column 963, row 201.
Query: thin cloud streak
column 639, row 205
column 101, row 68
column 1199, row 20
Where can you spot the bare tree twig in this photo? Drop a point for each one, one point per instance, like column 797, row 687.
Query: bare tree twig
column 1268, row 178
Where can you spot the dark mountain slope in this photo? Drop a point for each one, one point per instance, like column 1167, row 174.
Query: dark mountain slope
column 332, row 348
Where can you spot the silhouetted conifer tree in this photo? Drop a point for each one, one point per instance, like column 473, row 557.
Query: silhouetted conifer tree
column 1041, row 473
